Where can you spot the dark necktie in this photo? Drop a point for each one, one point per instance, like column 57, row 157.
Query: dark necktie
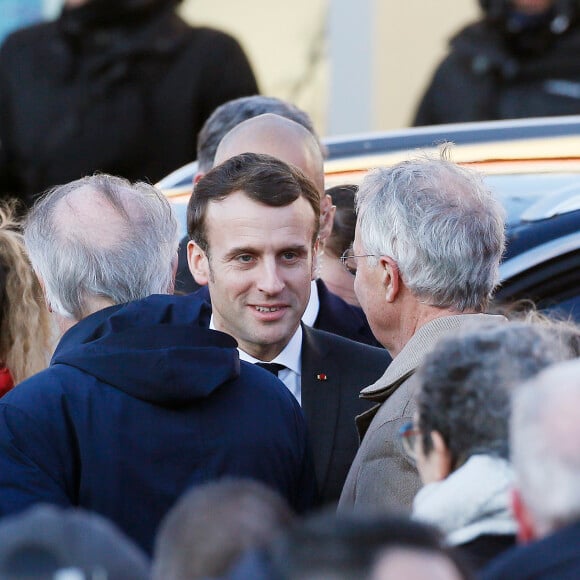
column 273, row 368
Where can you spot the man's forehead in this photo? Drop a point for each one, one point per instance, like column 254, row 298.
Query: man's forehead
column 239, row 210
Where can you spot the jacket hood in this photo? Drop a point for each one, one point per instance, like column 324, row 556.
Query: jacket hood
column 158, row 349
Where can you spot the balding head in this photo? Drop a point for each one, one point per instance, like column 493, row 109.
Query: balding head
column 88, row 216
column 287, row 141
column 100, row 241
column 234, row 112
column 279, row 137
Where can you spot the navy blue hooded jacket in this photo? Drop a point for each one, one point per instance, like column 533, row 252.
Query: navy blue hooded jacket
column 140, row 402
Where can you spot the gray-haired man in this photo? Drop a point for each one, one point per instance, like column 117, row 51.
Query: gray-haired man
column 428, row 242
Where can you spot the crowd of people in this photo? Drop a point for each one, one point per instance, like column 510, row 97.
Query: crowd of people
column 211, row 407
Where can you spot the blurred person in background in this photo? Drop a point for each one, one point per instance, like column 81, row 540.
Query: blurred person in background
column 520, row 60
column 544, row 434
column 459, row 437
column 362, row 546
column 25, row 329
column 116, row 86
column 333, row 273
column 48, row 542
column 212, row 526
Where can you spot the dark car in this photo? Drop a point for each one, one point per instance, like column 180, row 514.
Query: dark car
column 533, row 166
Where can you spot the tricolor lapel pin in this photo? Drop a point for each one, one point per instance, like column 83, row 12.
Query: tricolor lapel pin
column 321, row 377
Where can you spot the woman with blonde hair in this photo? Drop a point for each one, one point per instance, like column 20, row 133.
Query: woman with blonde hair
column 25, row 330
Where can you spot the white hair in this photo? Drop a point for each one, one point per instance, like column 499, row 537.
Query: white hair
column 76, row 264
column 544, row 436
column 440, row 224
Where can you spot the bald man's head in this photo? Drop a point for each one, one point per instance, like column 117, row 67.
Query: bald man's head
column 288, row 141
column 279, row 137
column 101, row 240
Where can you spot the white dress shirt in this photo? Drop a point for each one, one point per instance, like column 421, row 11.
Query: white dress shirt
column 290, row 357
column 311, row 312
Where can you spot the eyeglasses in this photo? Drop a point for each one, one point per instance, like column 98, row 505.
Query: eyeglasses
column 408, row 434
column 348, row 260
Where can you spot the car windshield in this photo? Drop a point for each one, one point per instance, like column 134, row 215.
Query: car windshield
column 519, row 192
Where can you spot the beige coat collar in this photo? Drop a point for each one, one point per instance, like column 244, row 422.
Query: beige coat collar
column 413, row 353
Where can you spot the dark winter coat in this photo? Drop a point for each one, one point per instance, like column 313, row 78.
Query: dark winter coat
column 482, row 78
column 139, row 403
column 117, row 86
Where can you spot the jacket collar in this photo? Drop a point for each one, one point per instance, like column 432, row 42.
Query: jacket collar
column 413, row 353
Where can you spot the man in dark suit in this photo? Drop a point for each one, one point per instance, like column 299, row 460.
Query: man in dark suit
column 265, row 125
column 544, row 446
column 253, row 222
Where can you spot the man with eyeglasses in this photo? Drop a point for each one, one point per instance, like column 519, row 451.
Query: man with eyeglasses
column 428, row 241
column 253, row 222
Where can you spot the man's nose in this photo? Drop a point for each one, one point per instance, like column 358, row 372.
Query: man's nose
column 270, row 280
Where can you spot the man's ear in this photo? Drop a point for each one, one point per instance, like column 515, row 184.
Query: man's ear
column 526, row 527
column 198, row 263
column 391, row 277
column 442, row 456
column 327, row 211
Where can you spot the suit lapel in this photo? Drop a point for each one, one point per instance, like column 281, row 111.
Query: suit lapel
column 320, row 399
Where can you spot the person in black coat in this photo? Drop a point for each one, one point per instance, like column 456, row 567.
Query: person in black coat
column 115, row 86
column 521, row 60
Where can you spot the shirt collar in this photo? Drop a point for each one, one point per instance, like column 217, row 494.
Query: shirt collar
column 311, row 312
column 289, row 357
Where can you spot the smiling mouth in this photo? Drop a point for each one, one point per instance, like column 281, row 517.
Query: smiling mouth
column 268, row 308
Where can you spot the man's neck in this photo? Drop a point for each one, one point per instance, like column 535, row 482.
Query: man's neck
column 411, row 319
column 64, row 323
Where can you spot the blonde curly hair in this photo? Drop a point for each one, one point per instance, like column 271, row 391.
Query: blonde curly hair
column 25, row 328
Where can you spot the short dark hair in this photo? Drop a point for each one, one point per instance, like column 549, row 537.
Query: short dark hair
column 212, row 525
column 262, row 178
column 344, row 224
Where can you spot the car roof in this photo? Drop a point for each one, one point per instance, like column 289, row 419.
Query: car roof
column 531, row 165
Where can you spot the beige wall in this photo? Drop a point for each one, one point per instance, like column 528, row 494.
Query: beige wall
column 286, row 43
column 411, row 38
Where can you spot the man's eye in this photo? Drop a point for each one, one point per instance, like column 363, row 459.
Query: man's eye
column 244, row 258
column 289, row 256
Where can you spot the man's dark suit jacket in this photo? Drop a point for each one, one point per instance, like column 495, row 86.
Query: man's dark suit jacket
column 334, row 371
column 339, row 317
column 555, row 557
column 334, row 315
